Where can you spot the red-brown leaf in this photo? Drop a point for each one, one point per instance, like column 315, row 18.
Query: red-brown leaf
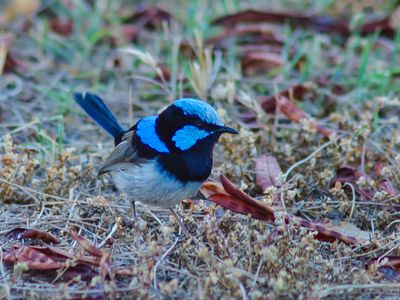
column 385, row 184
column 322, row 23
column 32, row 258
column 239, row 206
column 236, row 200
column 63, row 27
column 267, row 171
column 105, row 269
column 151, row 17
column 351, row 175
column 209, row 188
column 254, row 34
column 389, row 266
column 23, row 233
column 85, row 271
column 254, row 63
column 85, row 244
column 295, row 114
column 268, row 103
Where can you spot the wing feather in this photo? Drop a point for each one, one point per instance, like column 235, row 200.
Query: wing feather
column 123, row 156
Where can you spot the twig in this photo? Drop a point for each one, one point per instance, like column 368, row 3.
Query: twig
column 353, row 201
column 113, row 229
column 164, row 256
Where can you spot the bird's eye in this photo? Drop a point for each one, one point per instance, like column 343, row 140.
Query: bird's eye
column 204, row 126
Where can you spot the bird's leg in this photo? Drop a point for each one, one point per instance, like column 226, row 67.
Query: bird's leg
column 180, row 222
column 133, row 209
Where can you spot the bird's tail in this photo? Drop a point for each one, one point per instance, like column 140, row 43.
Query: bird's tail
column 98, row 110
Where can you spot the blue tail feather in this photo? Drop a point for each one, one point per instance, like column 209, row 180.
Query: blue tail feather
column 97, row 109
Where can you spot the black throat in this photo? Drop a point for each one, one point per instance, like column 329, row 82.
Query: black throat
column 194, row 164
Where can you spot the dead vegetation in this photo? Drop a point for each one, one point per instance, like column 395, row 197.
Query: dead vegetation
column 311, row 207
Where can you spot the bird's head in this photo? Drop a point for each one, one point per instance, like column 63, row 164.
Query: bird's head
column 189, row 122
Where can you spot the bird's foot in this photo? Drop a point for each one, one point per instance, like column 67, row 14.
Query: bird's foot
column 134, row 214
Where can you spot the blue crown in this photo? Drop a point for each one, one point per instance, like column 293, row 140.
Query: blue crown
column 200, row 109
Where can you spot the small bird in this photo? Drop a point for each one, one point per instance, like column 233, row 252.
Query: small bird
column 163, row 159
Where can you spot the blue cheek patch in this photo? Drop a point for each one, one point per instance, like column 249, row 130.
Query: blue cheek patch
column 188, row 136
column 146, row 130
column 198, row 108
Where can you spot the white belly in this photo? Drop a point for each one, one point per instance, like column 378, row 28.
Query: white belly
column 145, row 183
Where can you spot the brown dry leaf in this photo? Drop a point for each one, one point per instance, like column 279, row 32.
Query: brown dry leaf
column 388, row 266
column 295, row 114
column 384, row 183
column 85, row 244
column 298, row 91
column 61, row 255
column 104, row 256
column 150, row 17
column 24, row 233
column 350, row 229
column 351, row 175
column 267, row 171
column 238, row 201
column 210, row 188
column 33, row 259
column 250, row 34
column 51, row 258
column 254, row 63
column 268, row 103
column 61, row 26
column 321, row 23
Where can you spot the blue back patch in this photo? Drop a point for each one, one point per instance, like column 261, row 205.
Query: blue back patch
column 200, row 109
column 187, row 137
column 146, row 130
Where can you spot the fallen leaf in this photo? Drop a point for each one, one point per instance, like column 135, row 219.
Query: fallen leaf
column 61, row 255
column 268, row 103
column 210, row 188
column 388, row 266
column 347, row 228
column 250, row 34
column 85, row 244
column 351, row 175
column 295, row 114
column 237, row 201
column 321, row 23
column 63, row 27
column 33, row 259
column 384, row 182
column 254, row 63
column 267, row 172
column 48, row 258
column 24, row 233
column 150, row 17
column 105, row 269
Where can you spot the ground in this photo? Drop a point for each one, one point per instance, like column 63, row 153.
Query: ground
column 313, row 91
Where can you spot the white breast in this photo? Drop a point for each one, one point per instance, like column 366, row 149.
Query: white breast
column 148, row 184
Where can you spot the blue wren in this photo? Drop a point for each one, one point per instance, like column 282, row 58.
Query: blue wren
column 163, row 159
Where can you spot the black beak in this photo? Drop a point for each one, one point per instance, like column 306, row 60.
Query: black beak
column 226, row 129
